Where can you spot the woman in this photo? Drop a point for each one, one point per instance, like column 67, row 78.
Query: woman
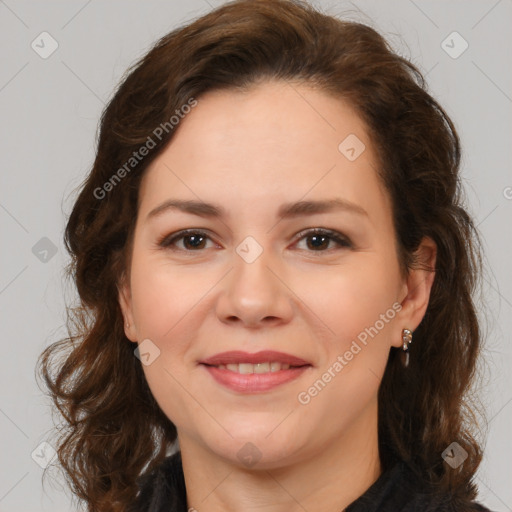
column 276, row 271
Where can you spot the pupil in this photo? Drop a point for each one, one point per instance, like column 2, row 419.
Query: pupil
column 197, row 238
column 318, row 237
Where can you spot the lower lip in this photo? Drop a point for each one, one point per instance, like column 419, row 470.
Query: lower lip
column 254, row 382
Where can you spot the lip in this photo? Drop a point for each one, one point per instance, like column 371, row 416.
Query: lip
column 238, row 356
column 254, row 382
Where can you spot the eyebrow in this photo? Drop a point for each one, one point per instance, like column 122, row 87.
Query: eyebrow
column 286, row 211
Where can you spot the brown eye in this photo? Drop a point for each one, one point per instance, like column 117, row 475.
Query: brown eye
column 319, row 239
column 192, row 240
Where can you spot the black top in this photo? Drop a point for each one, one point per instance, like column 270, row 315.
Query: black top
column 396, row 490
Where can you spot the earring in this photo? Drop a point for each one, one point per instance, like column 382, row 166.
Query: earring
column 406, row 339
column 127, row 324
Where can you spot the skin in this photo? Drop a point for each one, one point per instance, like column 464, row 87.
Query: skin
column 251, row 152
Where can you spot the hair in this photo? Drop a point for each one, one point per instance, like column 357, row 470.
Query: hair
column 115, row 430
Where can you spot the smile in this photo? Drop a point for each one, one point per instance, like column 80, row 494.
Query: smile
column 254, row 378
column 246, row 368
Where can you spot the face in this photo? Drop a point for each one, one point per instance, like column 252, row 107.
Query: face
column 263, row 273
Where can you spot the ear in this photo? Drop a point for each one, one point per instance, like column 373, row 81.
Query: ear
column 125, row 302
column 416, row 289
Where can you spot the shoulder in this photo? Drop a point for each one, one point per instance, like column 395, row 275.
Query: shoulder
column 163, row 488
column 438, row 503
column 401, row 489
column 423, row 497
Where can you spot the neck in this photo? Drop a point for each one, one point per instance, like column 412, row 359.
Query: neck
column 332, row 478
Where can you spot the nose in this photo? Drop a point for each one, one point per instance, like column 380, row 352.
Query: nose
column 255, row 293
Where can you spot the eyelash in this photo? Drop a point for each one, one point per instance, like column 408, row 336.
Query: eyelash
column 344, row 242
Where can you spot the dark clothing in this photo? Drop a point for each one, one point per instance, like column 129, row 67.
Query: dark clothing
column 396, row 490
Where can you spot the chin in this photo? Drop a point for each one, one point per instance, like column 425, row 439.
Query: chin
column 268, row 446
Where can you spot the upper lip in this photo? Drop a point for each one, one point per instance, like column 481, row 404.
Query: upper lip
column 238, row 356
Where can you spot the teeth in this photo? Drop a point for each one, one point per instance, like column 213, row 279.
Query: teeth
column 274, row 367
column 246, row 368
column 262, row 368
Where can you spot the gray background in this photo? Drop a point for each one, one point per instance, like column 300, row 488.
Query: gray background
column 50, row 110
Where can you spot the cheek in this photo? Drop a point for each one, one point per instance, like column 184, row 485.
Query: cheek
column 162, row 297
column 164, row 303
column 168, row 306
column 357, row 306
column 348, row 299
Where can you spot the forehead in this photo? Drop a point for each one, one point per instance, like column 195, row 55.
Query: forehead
column 277, row 141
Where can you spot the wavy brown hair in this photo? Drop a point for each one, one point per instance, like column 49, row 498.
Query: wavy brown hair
column 114, row 430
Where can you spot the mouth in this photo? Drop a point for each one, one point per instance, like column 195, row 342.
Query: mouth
column 275, row 361
column 248, row 368
column 250, row 373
